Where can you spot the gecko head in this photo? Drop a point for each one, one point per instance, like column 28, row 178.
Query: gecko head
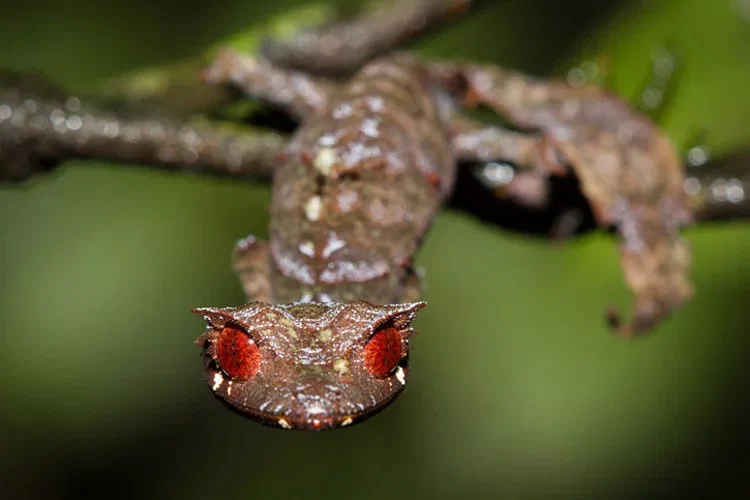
column 308, row 366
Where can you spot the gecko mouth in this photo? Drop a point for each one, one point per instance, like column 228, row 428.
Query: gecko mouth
column 310, row 402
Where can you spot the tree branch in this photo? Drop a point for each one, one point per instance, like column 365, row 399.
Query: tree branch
column 343, row 47
column 718, row 190
column 720, row 187
column 41, row 127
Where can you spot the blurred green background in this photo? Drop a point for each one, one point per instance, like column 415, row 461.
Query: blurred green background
column 517, row 389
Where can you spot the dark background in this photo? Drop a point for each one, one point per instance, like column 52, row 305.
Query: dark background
column 517, row 388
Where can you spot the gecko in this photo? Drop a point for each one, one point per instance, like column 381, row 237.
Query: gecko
column 323, row 341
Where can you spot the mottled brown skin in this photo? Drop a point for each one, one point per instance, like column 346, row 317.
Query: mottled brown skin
column 381, row 130
column 312, row 375
column 340, row 235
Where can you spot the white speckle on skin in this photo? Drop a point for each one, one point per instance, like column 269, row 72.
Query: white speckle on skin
column 370, row 127
column 284, row 424
column 313, row 208
column 401, row 376
column 244, row 244
column 218, row 380
column 359, row 152
column 307, row 248
column 375, row 104
column 351, row 271
column 324, row 161
column 315, row 409
column 229, row 388
column 346, row 421
column 333, row 243
column 343, row 111
column 346, row 199
column 341, row 366
column 327, row 140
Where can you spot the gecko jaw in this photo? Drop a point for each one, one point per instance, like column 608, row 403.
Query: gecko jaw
column 316, row 405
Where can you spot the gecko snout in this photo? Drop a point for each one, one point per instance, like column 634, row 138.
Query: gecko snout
column 308, row 366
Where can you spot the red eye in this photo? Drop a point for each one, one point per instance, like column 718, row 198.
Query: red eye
column 237, row 354
column 383, row 352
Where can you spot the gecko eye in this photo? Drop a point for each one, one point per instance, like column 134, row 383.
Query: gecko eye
column 383, row 352
column 237, row 354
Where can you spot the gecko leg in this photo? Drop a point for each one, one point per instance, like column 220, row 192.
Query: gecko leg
column 475, row 141
column 344, row 47
column 532, row 154
column 299, row 94
column 39, row 129
column 251, row 261
column 627, row 168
